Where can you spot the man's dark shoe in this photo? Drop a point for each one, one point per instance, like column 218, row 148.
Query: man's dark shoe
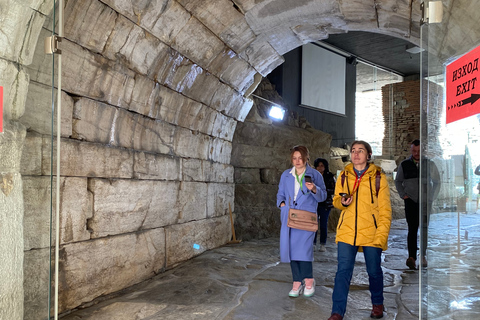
column 411, row 263
column 335, row 316
column 377, row 311
column 424, row 262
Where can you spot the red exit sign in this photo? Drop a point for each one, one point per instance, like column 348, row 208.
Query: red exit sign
column 463, row 88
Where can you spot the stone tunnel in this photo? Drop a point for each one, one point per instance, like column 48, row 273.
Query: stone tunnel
column 155, row 95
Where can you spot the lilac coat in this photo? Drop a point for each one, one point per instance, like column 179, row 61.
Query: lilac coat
column 298, row 244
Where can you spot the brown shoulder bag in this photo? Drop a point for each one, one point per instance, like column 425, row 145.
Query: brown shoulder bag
column 303, row 220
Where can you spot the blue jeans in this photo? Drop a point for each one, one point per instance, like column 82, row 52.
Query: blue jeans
column 301, row 270
column 346, row 262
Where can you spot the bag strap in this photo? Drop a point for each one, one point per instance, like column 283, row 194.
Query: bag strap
column 377, row 180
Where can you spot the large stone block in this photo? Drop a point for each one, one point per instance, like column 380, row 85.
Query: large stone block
column 11, row 246
column 132, row 44
column 224, row 127
column 42, row 65
column 84, row 159
column 91, row 75
column 151, row 135
column 76, row 207
column 192, row 201
column 157, row 167
column 219, row 172
column 164, row 18
column 192, row 81
column 394, row 17
column 123, row 206
column 256, row 222
column 31, row 162
column 231, row 103
column 248, row 156
column 202, row 170
column 309, row 33
column 75, row 210
column 220, row 195
column 11, row 146
column 36, row 284
column 220, row 150
column 88, row 23
column 145, row 98
column 37, row 204
column 224, row 20
column 21, row 25
column 245, row 5
column 270, row 176
column 233, row 70
column 207, row 234
column 38, row 110
column 247, row 176
column 180, row 110
column 198, row 43
column 91, row 269
column 262, row 56
column 189, row 144
column 93, row 121
column 256, row 195
column 14, row 81
column 254, row 134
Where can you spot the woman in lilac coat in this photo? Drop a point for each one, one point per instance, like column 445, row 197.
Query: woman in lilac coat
column 296, row 246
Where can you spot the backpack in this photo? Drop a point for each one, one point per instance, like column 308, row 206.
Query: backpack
column 377, row 181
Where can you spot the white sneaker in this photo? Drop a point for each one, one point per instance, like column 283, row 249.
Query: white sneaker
column 297, row 289
column 309, row 287
column 322, row 248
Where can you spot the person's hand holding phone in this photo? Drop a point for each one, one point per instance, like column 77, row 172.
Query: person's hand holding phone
column 309, row 184
column 346, row 199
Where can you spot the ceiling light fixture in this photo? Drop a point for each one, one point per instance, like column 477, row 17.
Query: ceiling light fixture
column 276, row 112
column 413, row 49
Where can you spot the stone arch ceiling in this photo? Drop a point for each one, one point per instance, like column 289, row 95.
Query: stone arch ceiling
column 201, row 56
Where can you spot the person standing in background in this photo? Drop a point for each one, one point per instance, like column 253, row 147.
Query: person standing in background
column 324, row 208
column 407, row 183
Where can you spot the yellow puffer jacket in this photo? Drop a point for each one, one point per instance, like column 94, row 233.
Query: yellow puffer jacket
column 366, row 221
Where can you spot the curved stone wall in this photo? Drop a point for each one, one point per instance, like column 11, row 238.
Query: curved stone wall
column 152, row 93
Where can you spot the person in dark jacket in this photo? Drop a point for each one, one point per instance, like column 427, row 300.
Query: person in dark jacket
column 407, row 184
column 323, row 209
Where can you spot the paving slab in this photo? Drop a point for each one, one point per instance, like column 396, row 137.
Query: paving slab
column 246, row 281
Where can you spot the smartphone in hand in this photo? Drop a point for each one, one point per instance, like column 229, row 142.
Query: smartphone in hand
column 308, row 179
column 344, row 195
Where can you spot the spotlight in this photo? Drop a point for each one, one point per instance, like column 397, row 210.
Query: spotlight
column 276, row 113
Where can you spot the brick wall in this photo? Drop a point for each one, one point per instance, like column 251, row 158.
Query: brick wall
column 401, row 114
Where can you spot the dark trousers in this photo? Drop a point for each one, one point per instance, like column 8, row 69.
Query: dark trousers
column 323, row 213
column 301, row 270
column 412, row 215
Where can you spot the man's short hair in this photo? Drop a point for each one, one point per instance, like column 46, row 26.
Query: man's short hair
column 416, row 142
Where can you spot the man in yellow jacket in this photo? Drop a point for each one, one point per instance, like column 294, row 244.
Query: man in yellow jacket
column 363, row 195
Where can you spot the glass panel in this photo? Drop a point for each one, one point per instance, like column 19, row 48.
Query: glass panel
column 37, row 169
column 450, row 284
column 368, row 102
